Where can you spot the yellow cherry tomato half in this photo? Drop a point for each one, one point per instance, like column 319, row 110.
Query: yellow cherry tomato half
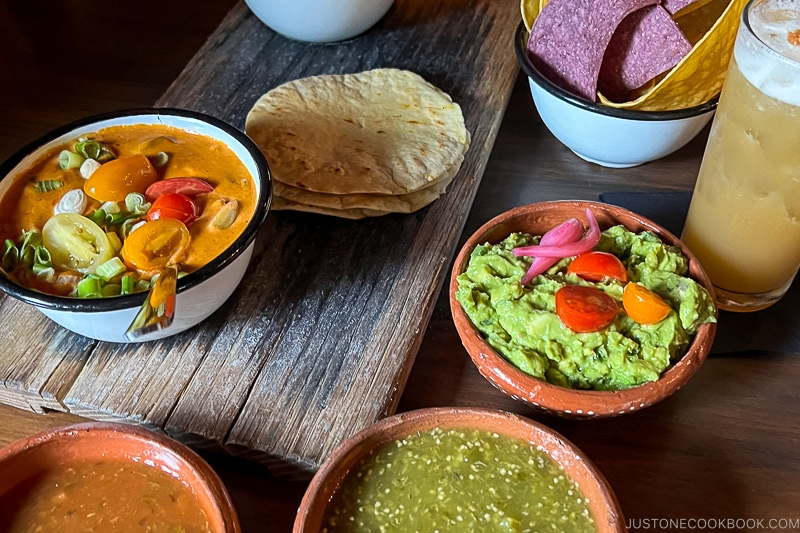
column 76, row 243
column 153, row 245
column 114, row 180
column 643, row 305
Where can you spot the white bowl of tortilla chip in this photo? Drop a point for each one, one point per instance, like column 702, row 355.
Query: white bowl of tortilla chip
column 319, row 21
column 605, row 135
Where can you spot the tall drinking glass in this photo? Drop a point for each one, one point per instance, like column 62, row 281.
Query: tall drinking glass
column 744, row 220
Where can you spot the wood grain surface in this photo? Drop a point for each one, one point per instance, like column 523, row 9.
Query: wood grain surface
column 723, row 447
column 318, row 341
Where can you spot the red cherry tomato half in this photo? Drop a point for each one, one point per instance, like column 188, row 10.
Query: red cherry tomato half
column 585, row 309
column 177, row 206
column 185, row 186
column 598, row 266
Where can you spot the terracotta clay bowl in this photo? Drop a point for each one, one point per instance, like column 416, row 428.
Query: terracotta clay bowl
column 58, row 448
column 537, row 219
column 603, row 504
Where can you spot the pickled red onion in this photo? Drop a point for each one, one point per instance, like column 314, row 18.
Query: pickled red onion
column 588, row 242
column 565, row 233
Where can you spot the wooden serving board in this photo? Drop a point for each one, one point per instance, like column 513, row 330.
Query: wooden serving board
column 319, row 339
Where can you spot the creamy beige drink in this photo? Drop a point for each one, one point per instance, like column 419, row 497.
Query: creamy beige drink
column 744, row 220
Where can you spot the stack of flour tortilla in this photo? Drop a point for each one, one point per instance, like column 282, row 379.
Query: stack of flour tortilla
column 359, row 145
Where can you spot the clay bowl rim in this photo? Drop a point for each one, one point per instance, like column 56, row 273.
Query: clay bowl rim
column 606, row 509
column 554, row 399
column 211, row 484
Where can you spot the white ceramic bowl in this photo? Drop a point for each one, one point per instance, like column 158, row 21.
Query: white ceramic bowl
column 604, row 135
column 319, row 21
column 200, row 293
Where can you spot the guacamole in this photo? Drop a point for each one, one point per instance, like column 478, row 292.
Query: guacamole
column 520, row 323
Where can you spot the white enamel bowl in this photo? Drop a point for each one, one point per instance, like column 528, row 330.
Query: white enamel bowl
column 605, row 135
column 199, row 293
column 319, row 21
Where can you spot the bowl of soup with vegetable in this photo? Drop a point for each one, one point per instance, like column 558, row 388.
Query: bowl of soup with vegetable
column 94, row 212
column 110, row 477
column 454, row 470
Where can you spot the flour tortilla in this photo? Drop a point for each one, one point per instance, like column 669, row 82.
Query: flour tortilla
column 280, row 204
column 384, row 131
column 389, row 203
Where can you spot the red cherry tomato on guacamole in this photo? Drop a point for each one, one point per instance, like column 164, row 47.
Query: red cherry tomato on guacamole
column 185, row 186
column 177, row 206
column 598, row 266
column 585, row 309
column 114, row 180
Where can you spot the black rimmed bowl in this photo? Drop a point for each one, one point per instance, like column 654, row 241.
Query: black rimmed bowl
column 605, row 135
column 200, row 293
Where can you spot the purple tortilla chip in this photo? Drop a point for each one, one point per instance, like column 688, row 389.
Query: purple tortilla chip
column 673, row 6
column 569, row 39
column 646, row 43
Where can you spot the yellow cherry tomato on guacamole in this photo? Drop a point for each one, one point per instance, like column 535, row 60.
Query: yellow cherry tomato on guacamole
column 155, row 244
column 643, row 305
column 114, row 180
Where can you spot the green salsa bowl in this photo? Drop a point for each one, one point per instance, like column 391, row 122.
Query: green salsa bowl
column 458, row 469
column 677, row 364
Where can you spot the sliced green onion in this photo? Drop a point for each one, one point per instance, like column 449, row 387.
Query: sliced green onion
column 181, row 274
column 115, row 241
column 88, row 168
column 41, row 257
column 112, row 289
column 89, row 287
column 47, row 185
column 10, row 256
column 98, row 217
column 118, row 218
column 91, row 149
column 161, row 159
column 142, row 285
column 73, row 201
column 109, row 269
column 135, row 202
column 31, row 240
column 47, row 274
column 67, row 159
column 110, row 207
column 130, row 225
column 127, row 284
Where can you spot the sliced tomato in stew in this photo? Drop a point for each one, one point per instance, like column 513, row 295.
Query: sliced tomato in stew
column 185, row 186
column 177, row 206
column 585, row 309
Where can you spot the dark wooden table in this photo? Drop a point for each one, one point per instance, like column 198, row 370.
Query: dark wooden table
column 726, row 447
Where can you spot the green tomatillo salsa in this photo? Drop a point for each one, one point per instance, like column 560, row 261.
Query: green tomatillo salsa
column 457, row 480
column 521, row 323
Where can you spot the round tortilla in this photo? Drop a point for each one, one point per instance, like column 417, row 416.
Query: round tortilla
column 383, row 131
column 281, row 204
column 401, row 203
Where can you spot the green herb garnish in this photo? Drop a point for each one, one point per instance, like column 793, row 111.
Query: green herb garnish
column 67, row 159
column 91, row 149
column 47, row 185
